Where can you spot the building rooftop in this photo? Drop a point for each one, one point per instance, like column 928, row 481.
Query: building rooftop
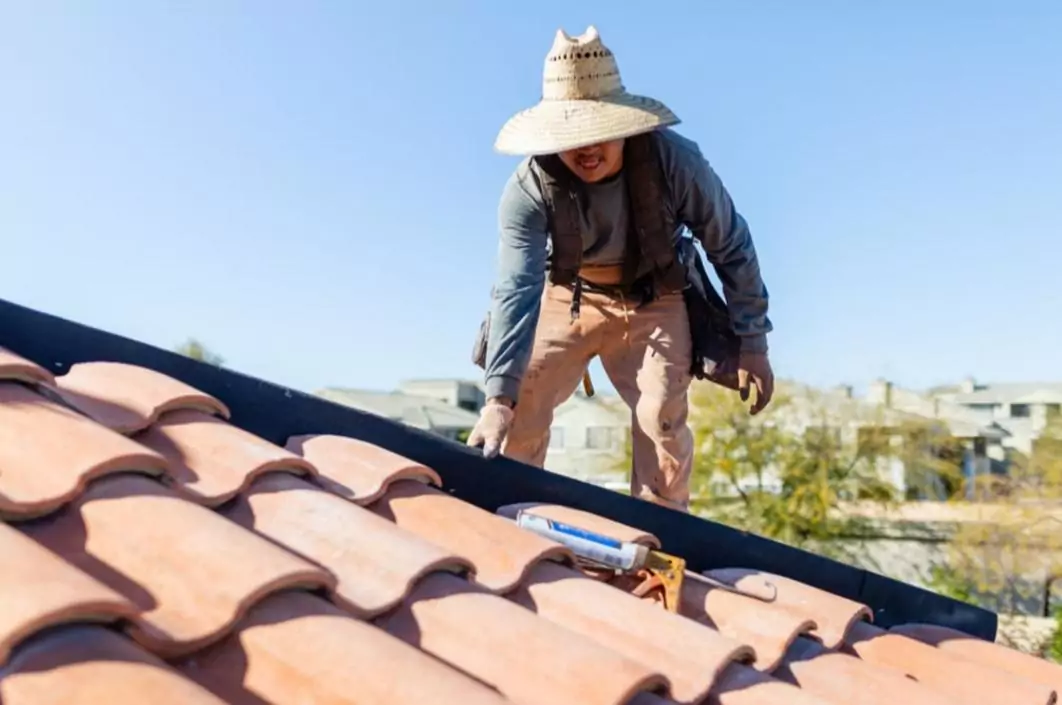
column 1012, row 393
column 960, row 420
column 177, row 533
column 412, row 409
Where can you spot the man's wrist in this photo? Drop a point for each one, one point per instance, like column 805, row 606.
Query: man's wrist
column 499, row 386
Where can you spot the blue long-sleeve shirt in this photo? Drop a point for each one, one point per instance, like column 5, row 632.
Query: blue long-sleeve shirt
column 699, row 201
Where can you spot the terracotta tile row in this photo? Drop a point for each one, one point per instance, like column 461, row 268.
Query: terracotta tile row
column 39, row 474
column 211, row 460
column 298, row 648
column 375, row 562
column 333, row 571
column 127, row 398
column 961, row 678
column 832, row 615
column 357, row 470
column 690, row 656
column 836, row 676
column 502, row 553
column 985, row 653
column 17, row 368
column 612, row 616
column 500, row 643
column 38, row 589
column 826, row 644
column 185, row 603
column 291, row 648
column 767, row 627
column 190, row 572
column 83, row 665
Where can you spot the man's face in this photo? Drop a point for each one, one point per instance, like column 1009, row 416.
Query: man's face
column 596, row 162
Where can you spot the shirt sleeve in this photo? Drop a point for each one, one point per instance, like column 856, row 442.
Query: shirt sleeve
column 703, row 204
column 519, row 282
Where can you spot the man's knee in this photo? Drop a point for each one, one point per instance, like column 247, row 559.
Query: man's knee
column 663, row 451
column 663, row 415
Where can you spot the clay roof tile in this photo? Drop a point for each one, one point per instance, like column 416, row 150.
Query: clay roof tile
column 152, row 549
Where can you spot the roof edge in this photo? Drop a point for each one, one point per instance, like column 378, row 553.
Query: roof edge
column 276, row 413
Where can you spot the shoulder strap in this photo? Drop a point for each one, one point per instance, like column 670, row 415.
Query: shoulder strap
column 561, row 194
column 647, row 194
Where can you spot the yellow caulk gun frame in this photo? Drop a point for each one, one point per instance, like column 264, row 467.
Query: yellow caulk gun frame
column 665, row 570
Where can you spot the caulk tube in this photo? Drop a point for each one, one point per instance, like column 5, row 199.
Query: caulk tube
column 599, row 548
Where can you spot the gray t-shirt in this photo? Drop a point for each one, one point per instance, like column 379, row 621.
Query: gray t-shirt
column 698, row 201
column 604, row 222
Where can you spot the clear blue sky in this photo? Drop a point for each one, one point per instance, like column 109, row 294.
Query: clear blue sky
column 310, row 188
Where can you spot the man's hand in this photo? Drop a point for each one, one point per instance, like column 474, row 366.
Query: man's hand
column 495, row 420
column 755, row 368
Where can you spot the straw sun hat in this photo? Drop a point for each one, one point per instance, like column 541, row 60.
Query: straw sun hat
column 583, row 102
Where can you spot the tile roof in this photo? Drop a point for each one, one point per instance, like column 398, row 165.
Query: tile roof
column 152, row 550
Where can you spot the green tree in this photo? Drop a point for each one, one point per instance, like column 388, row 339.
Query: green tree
column 1054, row 646
column 1009, row 541
column 196, row 350
column 792, row 472
column 951, row 583
column 758, row 474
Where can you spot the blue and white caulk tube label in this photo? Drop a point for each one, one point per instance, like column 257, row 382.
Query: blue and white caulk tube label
column 585, row 544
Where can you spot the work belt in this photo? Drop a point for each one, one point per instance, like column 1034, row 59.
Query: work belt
column 715, row 345
column 641, row 290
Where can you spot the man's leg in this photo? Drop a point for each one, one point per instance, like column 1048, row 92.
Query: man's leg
column 561, row 353
column 650, row 368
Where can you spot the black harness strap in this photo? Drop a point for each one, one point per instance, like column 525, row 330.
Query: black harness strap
column 652, row 229
column 562, row 194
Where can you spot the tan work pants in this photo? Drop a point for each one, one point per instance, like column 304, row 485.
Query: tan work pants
column 646, row 354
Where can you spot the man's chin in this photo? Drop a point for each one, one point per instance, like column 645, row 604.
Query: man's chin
column 592, row 175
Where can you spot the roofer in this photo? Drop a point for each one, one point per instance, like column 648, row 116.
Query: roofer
column 597, row 208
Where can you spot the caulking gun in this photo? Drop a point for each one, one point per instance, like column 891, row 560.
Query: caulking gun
column 628, row 557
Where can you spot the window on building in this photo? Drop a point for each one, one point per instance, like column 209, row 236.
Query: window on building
column 1019, row 411
column 556, row 438
column 600, row 438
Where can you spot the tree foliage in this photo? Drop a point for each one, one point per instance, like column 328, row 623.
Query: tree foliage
column 789, row 472
column 196, row 350
column 1008, row 547
column 793, row 472
column 1053, row 650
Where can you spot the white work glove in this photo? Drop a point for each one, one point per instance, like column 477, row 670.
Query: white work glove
column 495, row 420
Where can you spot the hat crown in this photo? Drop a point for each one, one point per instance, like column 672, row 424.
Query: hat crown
column 580, row 68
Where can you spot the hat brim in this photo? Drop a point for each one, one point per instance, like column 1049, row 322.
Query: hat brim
column 558, row 125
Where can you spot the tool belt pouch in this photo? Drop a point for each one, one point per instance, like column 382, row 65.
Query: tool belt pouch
column 479, row 348
column 715, row 345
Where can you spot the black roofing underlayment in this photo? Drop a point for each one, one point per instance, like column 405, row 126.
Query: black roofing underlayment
column 276, row 413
